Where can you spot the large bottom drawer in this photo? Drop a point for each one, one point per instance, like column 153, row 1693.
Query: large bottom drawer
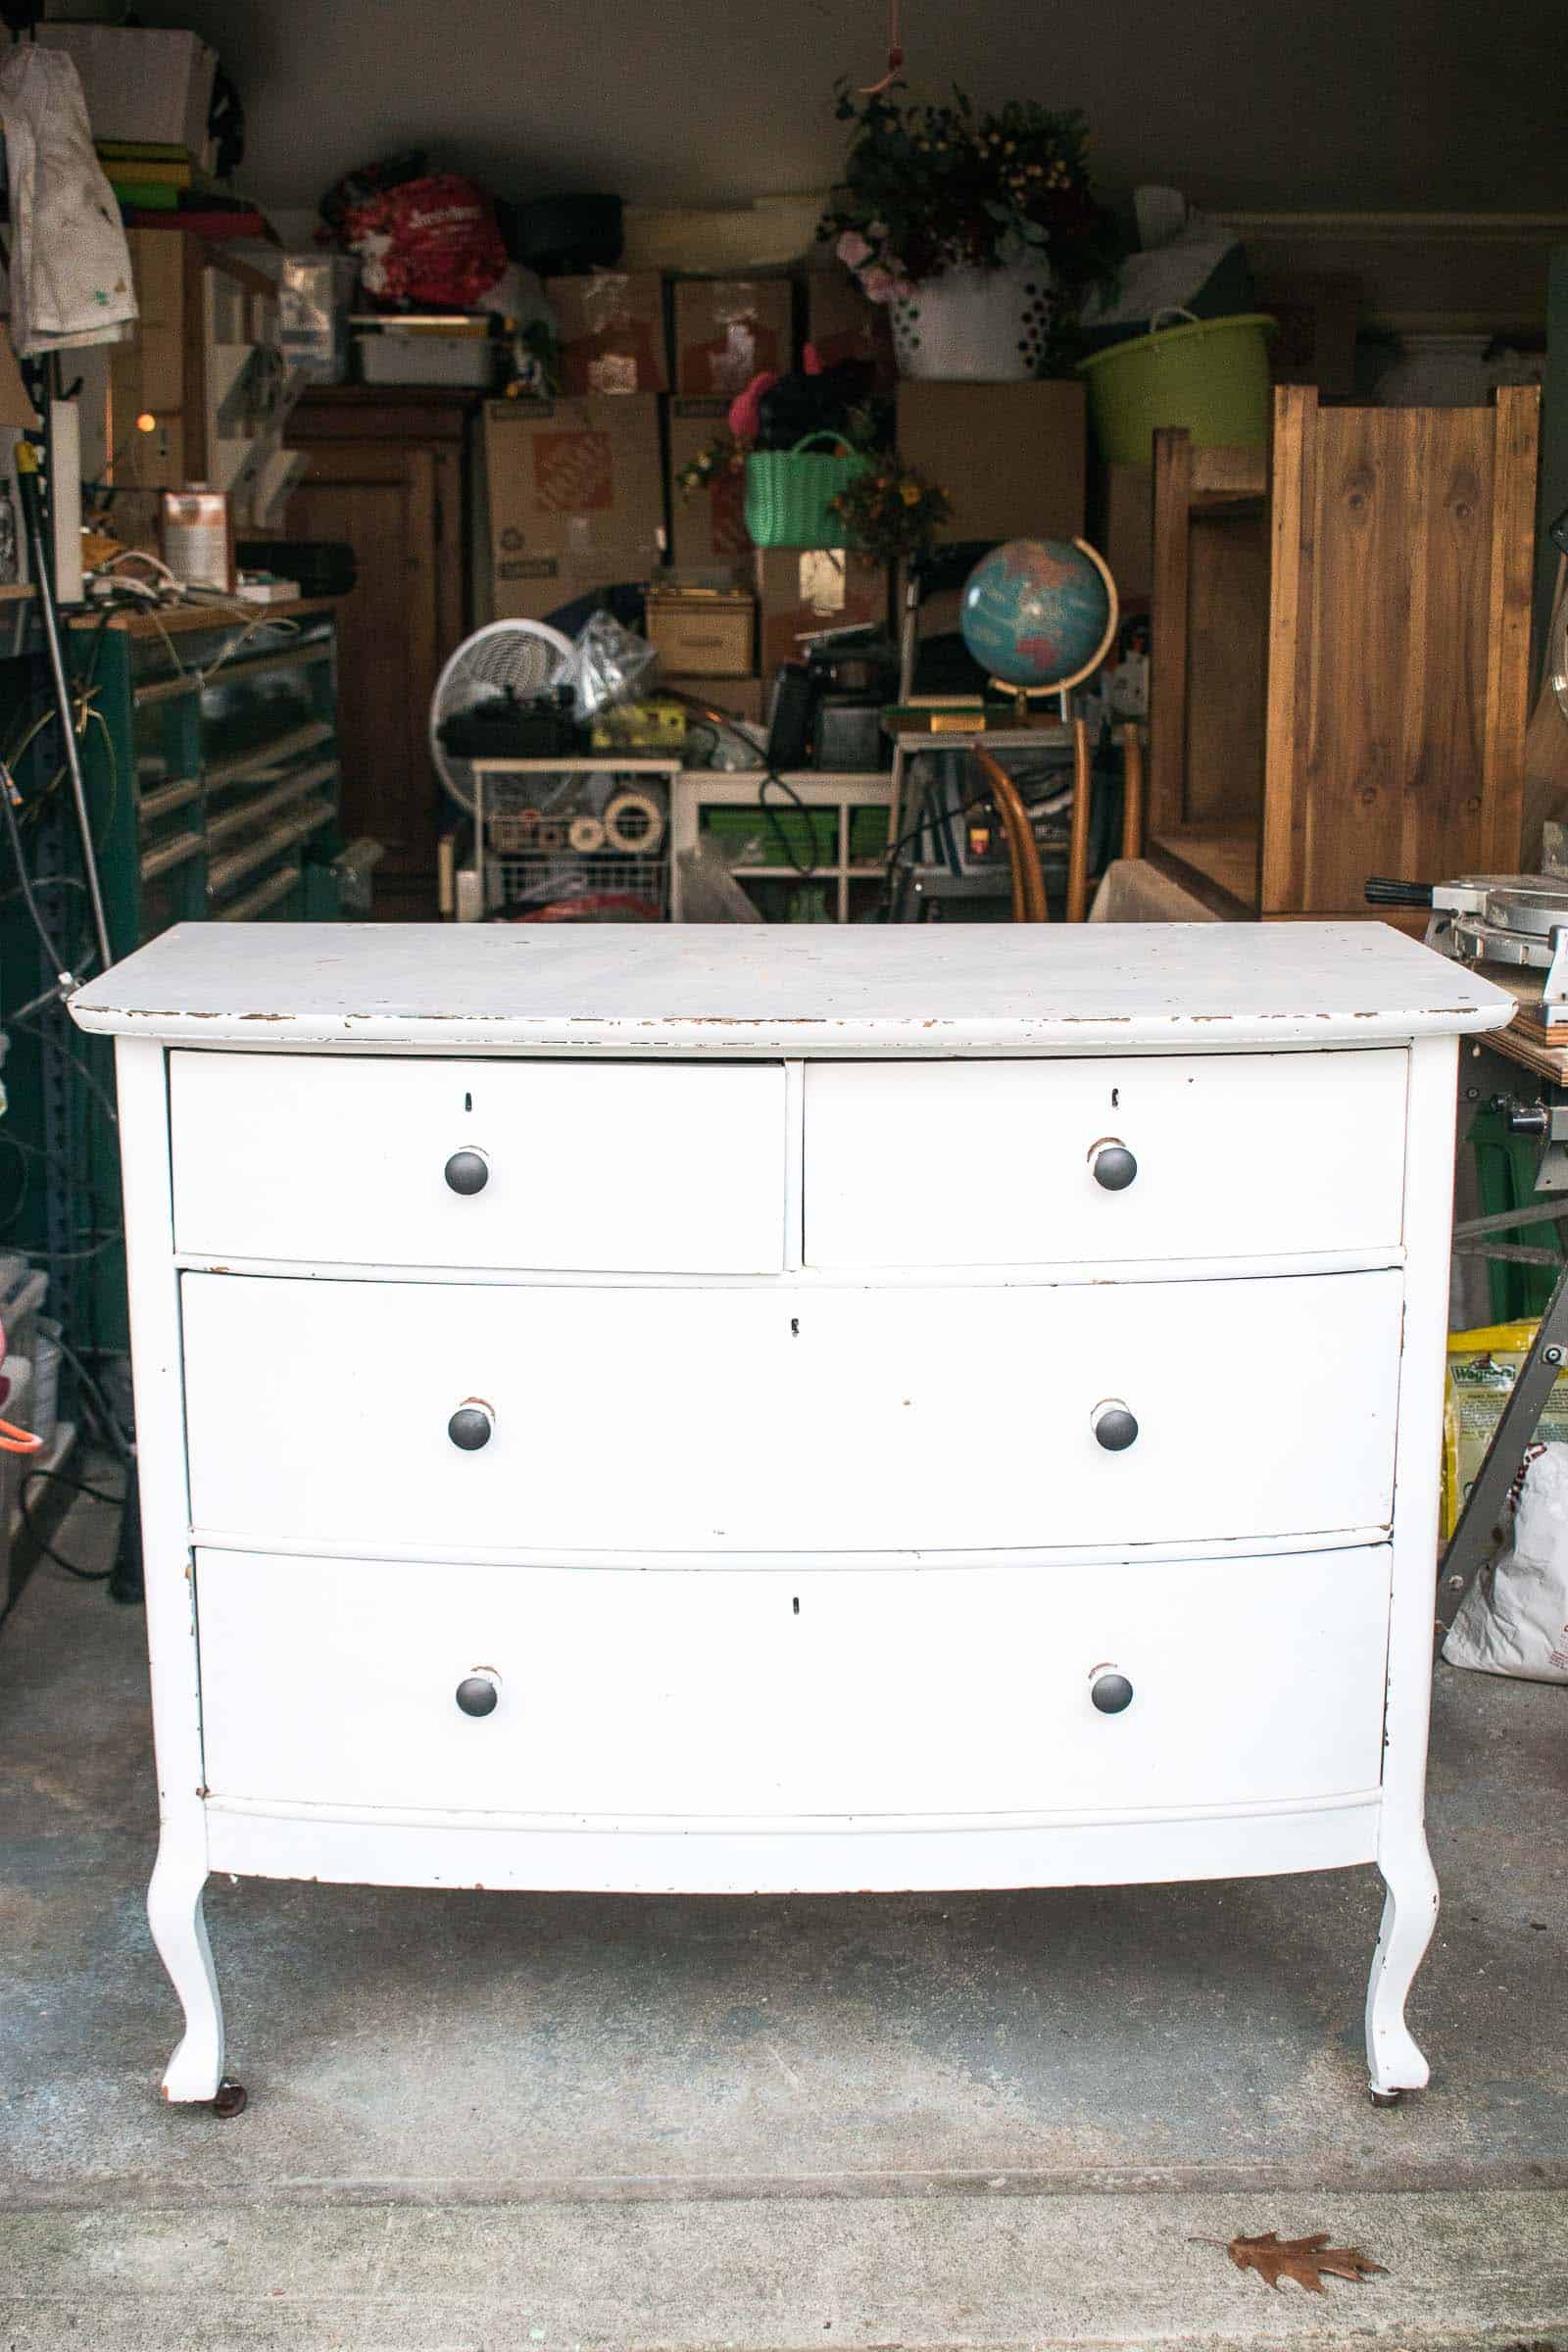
column 740, row 1693
column 787, row 1419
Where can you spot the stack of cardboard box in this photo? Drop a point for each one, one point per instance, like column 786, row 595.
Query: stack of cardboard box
column 584, row 490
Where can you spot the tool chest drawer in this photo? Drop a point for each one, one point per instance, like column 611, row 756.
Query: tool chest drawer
column 544, row 1166
column 1150, row 1157
column 600, row 1418
column 734, row 1693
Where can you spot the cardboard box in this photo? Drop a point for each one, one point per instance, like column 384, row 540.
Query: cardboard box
column 801, row 591
column 611, row 331
column 728, row 329
column 147, row 85
column 741, row 698
column 1122, row 526
column 1012, row 457
column 841, row 325
column 707, row 636
column 576, row 498
column 708, row 526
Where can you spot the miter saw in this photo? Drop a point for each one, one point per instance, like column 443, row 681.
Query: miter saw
column 1513, row 928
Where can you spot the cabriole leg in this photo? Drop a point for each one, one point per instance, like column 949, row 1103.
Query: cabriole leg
column 1409, row 1915
column 180, row 1931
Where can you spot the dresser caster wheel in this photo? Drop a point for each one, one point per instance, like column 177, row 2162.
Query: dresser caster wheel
column 1386, row 2098
column 232, row 2100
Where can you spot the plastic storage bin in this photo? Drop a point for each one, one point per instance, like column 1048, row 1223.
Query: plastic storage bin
column 1209, row 376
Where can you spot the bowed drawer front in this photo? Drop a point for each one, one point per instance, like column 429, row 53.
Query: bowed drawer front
column 1036, row 1163
column 936, row 1692
column 418, row 1416
column 475, row 1165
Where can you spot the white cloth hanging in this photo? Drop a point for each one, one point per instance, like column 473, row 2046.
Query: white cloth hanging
column 70, row 277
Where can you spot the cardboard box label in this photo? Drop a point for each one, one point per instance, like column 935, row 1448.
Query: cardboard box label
column 611, row 331
column 728, row 330
column 573, row 474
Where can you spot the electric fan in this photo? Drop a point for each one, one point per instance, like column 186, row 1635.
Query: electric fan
column 504, row 664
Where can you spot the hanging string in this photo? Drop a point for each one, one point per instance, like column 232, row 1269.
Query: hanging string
column 895, row 57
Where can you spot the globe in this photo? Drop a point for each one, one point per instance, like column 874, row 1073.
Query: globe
column 1035, row 612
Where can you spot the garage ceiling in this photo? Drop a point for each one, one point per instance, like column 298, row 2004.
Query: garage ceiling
column 1428, row 105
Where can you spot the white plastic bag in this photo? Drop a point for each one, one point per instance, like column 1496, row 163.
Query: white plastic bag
column 1514, row 1618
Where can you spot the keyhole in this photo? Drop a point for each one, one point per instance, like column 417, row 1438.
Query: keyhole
column 795, row 1605
column 794, row 1327
column 1115, row 1096
column 468, row 1101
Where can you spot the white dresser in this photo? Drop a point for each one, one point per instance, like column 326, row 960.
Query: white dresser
column 748, row 1409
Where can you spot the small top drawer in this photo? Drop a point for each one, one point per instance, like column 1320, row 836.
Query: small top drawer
column 531, row 1166
column 1055, row 1162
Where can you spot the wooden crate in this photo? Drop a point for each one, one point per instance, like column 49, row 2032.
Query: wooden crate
column 1341, row 652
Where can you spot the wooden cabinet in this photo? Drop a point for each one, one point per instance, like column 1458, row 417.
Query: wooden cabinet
column 613, row 1504
column 1341, row 653
column 387, row 472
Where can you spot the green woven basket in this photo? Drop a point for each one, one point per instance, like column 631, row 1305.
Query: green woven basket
column 790, row 493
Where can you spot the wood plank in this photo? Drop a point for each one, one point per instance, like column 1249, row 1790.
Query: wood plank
column 1168, row 728
column 1227, row 655
column 1515, row 471
column 1290, row 471
column 1217, row 863
column 1228, row 472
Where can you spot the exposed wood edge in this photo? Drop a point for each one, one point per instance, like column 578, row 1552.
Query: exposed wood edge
column 1167, row 724
column 1516, row 457
column 1289, row 468
column 1169, row 860
column 1230, row 470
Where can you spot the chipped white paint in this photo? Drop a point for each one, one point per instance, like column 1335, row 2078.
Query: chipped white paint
column 786, row 990
column 902, row 1283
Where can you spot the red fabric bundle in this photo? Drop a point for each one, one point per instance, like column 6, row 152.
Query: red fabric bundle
column 426, row 242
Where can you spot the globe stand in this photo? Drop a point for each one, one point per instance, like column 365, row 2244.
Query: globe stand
column 1062, row 687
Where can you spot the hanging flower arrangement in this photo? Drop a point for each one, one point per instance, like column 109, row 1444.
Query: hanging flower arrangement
column 932, row 188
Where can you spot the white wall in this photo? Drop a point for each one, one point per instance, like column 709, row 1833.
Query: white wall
column 1421, row 105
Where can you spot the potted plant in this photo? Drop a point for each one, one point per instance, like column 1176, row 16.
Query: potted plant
column 981, row 232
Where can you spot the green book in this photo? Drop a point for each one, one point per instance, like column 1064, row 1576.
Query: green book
column 145, row 196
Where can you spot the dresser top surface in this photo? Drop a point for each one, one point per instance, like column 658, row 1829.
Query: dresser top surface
column 736, row 990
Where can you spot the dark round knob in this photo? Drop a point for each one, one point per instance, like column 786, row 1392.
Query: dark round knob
column 477, row 1695
column 470, row 1427
column 1115, row 1168
column 1115, row 1428
column 467, row 1172
column 1111, row 1693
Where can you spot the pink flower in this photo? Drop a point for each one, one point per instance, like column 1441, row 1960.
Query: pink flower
column 879, row 284
column 852, row 249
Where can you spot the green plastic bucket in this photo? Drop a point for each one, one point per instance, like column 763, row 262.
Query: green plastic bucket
column 1210, row 376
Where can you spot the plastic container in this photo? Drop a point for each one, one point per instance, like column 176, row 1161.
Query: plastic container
column 464, row 361
column 1209, row 376
column 46, row 1358
column 974, row 326
column 22, row 1292
column 790, row 492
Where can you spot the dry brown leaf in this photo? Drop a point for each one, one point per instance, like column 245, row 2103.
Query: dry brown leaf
column 1306, row 2260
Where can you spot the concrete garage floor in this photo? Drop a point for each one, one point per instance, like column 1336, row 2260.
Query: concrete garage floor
column 486, row 2120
